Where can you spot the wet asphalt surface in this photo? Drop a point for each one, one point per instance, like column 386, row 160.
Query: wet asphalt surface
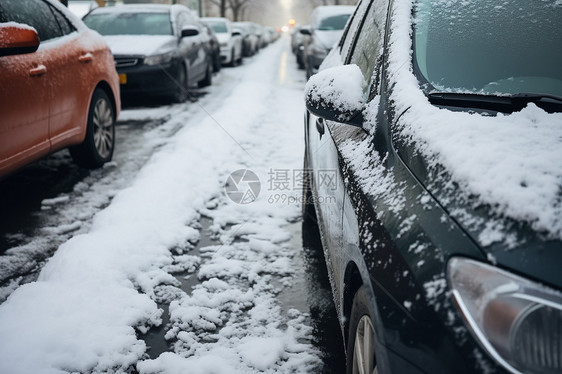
column 22, row 216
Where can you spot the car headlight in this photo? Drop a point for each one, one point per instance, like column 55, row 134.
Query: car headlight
column 519, row 322
column 159, row 59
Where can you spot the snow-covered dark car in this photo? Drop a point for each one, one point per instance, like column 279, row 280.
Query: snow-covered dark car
column 433, row 143
column 58, row 87
column 326, row 27
column 158, row 49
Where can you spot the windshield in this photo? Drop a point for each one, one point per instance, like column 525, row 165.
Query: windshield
column 217, row 26
column 489, row 47
column 333, row 23
column 130, row 23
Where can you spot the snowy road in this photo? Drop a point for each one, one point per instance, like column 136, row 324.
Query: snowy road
column 154, row 268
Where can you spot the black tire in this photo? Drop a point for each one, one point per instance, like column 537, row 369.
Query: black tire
column 361, row 333
column 99, row 143
column 232, row 59
column 208, row 80
column 309, row 71
column 217, row 64
column 180, row 91
column 300, row 62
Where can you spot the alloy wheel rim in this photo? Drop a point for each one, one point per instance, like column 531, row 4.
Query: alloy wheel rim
column 103, row 128
column 363, row 358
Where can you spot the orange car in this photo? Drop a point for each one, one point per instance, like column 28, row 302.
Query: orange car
column 58, row 86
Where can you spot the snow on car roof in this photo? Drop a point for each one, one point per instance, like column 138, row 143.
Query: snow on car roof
column 510, row 162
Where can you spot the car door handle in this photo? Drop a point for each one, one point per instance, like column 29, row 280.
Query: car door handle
column 38, row 71
column 85, row 58
column 320, row 126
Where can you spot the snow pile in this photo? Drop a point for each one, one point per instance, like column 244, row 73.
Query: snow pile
column 508, row 162
column 98, row 294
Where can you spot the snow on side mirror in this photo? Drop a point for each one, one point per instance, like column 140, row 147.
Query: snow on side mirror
column 337, row 94
column 16, row 38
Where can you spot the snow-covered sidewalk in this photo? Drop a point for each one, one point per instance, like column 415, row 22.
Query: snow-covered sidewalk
column 100, row 292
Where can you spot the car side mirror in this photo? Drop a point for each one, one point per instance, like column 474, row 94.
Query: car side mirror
column 236, row 33
column 17, row 39
column 337, row 94
column 189, row 31
column 305, row 31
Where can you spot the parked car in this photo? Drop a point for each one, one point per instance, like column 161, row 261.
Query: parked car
column 433, row 140
column 250, row 39
column 230, row 40
column 59, row 87
column 158, row 49
column 326, row 27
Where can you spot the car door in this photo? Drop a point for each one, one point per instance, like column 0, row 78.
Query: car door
column 324, row 160
column 26, row 87
column 191, row 47
column 69, row 63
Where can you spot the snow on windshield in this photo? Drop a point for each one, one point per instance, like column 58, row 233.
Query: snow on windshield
column 510, row 162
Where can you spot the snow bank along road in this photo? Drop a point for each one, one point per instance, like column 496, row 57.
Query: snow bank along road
column 130, row 241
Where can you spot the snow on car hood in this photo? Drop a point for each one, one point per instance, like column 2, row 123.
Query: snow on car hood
column 142, row 45
column 509, row 163
column 327, row 39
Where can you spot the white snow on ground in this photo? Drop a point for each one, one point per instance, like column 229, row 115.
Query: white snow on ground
column 99, row 291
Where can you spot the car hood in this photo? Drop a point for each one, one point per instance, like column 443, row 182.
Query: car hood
column 140, row 45
column 491, row 173
column 327, row 39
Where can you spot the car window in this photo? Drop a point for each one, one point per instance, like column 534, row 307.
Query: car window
column 35, row 13
column 130, row 23
column 65, row 25
column 509, row 49
column 333, row 23
column 370, row 39
column 351, row 30
column 218, row 26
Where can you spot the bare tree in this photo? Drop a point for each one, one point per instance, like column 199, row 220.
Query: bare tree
column 222, row 6
column 237, row 6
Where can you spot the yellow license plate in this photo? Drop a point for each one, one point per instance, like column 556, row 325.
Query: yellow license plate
column 123, row 78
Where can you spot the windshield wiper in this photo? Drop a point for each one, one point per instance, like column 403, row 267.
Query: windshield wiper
column 506, row 104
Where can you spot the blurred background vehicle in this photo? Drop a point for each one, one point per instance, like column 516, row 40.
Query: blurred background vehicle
column 59, row 87
column 250, row 39
column 81, row 7
column 326, row 27
column 159, row 49
column 230, row 40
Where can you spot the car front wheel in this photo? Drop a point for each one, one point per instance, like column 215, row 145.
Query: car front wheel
column 97, row 147
column 361, row 342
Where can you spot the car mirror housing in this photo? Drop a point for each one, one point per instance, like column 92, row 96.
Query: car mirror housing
column 17, row 39
column 236, row 33
column 305, row 31
column 189, row 31
column 337, row 94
